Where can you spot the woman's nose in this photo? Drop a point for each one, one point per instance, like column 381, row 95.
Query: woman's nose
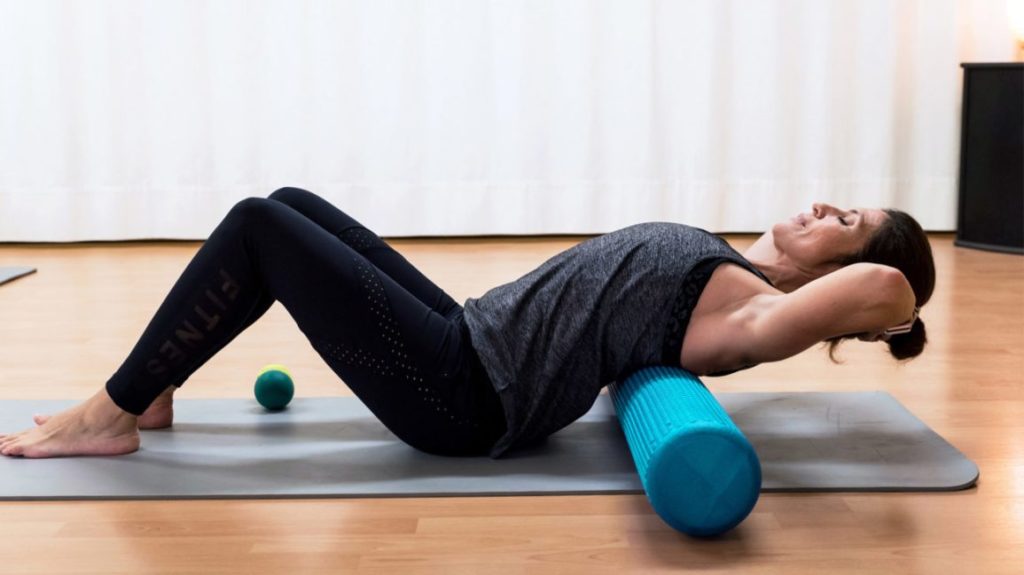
column 822, row 210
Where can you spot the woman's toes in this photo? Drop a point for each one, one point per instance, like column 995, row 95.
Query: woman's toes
column 15, row 449
column 8, row 448
column 40, row 419
column 14, row 436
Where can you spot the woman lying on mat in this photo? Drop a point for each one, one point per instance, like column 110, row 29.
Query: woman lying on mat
column 528, row 357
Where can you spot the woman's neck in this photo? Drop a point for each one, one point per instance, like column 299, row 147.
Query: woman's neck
column 774, row 264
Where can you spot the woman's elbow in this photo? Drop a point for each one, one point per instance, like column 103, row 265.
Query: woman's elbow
column 896, row 292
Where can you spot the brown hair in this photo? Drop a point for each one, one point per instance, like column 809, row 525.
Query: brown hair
column 900, row 243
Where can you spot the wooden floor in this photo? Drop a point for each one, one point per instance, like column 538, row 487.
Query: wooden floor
column 66, row 329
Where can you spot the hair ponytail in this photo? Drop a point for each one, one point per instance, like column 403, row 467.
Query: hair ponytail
column 911, row 344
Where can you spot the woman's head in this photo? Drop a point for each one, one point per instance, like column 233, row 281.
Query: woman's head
column 811, row 245
column 817, row 242
column 898, row 241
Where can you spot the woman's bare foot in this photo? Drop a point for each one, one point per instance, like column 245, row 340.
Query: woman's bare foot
column 158, row 415
column 96, row 427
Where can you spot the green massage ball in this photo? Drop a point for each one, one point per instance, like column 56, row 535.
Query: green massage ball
column 274, row 387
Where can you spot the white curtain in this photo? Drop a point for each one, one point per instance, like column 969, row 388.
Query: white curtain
column 146, row 119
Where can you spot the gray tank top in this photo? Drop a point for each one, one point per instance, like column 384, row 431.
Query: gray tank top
column 590, row 315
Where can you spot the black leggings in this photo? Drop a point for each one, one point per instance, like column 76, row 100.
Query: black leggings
column 396, row 339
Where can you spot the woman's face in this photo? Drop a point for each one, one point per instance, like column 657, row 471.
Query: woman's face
column 817, row 239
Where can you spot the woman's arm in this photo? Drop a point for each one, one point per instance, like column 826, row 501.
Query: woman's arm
column 857, row 298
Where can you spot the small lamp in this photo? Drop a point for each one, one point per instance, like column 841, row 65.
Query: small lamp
column 1015, row 16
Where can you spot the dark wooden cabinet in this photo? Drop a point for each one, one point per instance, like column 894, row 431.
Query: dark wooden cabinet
column 990, row 213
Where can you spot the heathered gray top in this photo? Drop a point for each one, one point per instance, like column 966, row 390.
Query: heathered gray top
column 590, row 315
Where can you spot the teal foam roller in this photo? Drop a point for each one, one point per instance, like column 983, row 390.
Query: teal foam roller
column 701, row 475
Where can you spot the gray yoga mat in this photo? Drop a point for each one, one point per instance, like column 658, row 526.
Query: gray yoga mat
column 11, row 273
column 232, row 448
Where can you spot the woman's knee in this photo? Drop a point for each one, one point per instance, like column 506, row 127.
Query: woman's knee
column 286, row 193
column 250, row 205
column 253, row 209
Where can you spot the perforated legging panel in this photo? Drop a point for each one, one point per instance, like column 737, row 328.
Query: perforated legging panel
column 395, row 363
column 396, row 339
column 361, row 239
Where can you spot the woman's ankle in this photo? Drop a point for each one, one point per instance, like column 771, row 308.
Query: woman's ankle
column 167, row 393
column 102, row 407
